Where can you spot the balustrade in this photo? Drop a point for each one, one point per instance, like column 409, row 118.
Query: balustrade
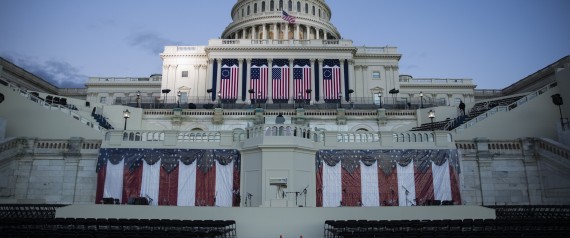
column 554, row 147
column 413, row 137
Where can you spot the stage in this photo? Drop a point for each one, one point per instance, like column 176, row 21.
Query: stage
column 272, row 222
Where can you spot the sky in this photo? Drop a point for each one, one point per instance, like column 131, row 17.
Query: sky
column 493, row 42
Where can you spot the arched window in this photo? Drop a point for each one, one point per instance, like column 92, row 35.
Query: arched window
column 242, row 12
column 313, row 10
column 280, row 5
column 262, row 6
column 306, row 8
column 255, row 8
column 319, row 12
column 290, row 6
column 248, row 10
column 298, row 6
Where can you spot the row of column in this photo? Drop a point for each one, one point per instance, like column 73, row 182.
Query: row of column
column 276, row 29
column 315, row 64
column 175, row 82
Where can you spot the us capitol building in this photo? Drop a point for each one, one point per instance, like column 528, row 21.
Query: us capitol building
column 281, row 111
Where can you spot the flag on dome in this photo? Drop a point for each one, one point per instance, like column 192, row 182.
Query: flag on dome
column 288, row 18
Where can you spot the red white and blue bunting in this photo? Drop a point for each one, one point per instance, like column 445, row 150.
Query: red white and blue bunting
column 387, row 177
column 174, row 177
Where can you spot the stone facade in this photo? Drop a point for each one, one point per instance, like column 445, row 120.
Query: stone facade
column 49, row 172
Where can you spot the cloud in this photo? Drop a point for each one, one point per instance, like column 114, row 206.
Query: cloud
column 59, row 73
column 151, row 42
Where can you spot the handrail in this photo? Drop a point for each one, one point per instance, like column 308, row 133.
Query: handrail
column 498, row 109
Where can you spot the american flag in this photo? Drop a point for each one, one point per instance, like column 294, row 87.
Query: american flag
column 259, row 75
column 230, row 78
column 331, row 79
column 288, row 18
column 280, row 78
column 302, row 78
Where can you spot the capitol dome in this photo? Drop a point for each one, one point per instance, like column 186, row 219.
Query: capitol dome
column 263, row 20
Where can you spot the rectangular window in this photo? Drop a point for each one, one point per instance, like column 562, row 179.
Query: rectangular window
column 103, row 100
column 376, row 74
column 184, row 74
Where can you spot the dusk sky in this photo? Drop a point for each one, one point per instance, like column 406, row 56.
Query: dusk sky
column 494, row 42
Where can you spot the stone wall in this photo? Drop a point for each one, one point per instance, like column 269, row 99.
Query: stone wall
column 50, row 171
column 509, row 173
column 524, row 171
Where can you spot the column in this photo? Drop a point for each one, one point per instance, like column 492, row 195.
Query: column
column 243, row 33
column 297, row 37
column 389, row 83
column 321, row 82
column 286, row 35
column 264, row 31
column 325, row 34
column 395, row 78
column 342, row 89
column 208, row 81
column 317, row 34
column 275, row 32
column 291, row 83
column 248, row 82
column 254, row 32
column 351, row 77
column 240, row 79
column 364, row 79
column 197, row 81
column 307, row 33
column 360, row 86
column 175, row 73
column 270, row 81
column 219, row 78
column 201, row 89
column 313, row 93
column 164, row 83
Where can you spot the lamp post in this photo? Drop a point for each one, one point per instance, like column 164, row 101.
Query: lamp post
column 219, row 99
column 178, row 101
column 299, row 99
column 350, row 91
column 421, row 100
column 557, row 100
column 165, row 91
column 257, row 99
column 251, row 93
column 126, row 115
column 379, row 100
column 308, row 92
column 138, row 98
column 339, row 100
column 431, row 115
column 209, row 91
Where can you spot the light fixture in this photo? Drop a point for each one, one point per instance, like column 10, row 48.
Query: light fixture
column 178, row 102
column 431, row 115
column 138, row 98
column 126, row 115
column 219, row 99
column 421, row 100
